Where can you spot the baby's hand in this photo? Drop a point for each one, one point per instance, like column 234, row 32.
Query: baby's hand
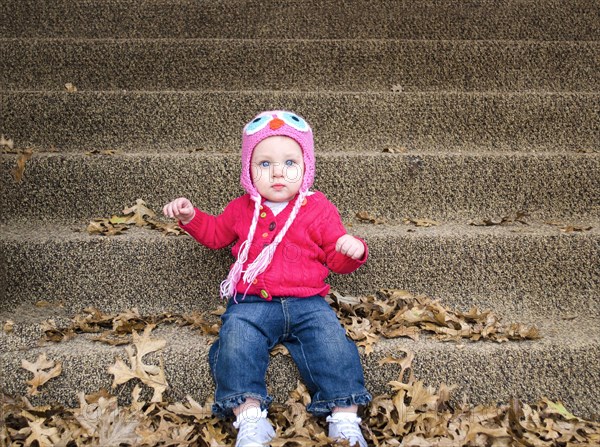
column 181, row 209
column 350, row 246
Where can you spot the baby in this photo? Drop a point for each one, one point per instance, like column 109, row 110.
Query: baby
column 287, row 238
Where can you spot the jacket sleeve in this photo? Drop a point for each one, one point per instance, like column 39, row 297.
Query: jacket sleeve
column 332, row 229
column 213, row 231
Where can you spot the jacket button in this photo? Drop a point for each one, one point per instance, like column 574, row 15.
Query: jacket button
column 265, row 235
column 264, row 294
column 272, row 226
column 263, row 215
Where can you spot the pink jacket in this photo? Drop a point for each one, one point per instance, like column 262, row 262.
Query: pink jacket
column 302, row 260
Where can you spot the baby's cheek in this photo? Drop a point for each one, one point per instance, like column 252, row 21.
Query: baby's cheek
column 293, row 174
column 255, row 173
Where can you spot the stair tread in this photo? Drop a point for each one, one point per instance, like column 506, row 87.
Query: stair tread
column 572, row 331
column 311, row 93
column 350, row 65
column 485, row 371
column 548, row 19
column 516, row 269
column 166, row 120
column 38, row 231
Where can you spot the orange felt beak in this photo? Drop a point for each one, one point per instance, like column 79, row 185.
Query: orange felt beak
column 276, row 124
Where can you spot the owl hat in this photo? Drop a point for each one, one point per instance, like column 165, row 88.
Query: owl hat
column 264, row 125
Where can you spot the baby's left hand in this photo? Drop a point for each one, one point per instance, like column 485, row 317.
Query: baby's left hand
column 350, row 246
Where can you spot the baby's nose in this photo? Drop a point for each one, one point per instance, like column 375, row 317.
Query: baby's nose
column 277, row 169
column 276, row 124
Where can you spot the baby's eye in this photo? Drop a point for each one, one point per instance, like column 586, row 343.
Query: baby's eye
column 295, row 121
column 264, row 164
column 257, row 124
column 290, row 163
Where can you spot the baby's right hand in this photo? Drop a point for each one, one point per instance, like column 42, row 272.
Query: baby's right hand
column 181, row 209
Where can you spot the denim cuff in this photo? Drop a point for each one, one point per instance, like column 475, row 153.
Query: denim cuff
column 324, row 407
column 224, row 408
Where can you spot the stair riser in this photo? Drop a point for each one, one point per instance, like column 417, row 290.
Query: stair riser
column 299, row 65
column 342, row 121
column 395, row 186
column 490, row 19
column 495, row 374
column 516, row 275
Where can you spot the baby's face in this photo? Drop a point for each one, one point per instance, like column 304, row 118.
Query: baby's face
column 277, row 168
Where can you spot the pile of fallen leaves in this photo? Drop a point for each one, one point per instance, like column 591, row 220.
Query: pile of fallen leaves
column 398, row 313
column 391, row 313
column 138, row 215
column 412, row 414
column 117, row 329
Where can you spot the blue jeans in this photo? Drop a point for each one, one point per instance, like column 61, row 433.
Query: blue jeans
column 327, row 359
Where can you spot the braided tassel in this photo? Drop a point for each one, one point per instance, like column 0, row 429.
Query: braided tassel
column 228, row 286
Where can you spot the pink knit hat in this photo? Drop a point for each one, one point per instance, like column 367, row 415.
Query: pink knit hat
column 269, row 124
column 264, row 125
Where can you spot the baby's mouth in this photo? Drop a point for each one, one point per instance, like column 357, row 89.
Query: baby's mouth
column 278, row 186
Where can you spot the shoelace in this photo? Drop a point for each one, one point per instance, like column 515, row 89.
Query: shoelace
column 247, row 429
column 347, row 427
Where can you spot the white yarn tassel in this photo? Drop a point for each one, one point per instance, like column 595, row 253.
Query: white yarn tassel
column 228, row 286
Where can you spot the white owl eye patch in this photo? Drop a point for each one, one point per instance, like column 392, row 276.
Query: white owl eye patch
column 290, row 119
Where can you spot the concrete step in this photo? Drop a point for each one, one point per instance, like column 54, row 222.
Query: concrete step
column 562, row 365
column 516, row 270
column 305, row 65
column 159, row 121
column 446, row 186
column 357, row 19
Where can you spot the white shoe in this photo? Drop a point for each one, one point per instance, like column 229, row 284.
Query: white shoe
column 345, row 426
column 254, row 429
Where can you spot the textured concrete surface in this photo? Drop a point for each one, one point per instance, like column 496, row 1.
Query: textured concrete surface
column 335, row 65
column 176, row 121
column 498, row 112
column 446, row 186
column 487, row 372
column 404, row 19
column 517, row 271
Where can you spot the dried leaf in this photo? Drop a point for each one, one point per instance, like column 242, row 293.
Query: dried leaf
column 137, row 213
column 105, row 421
column 8, row 327
column 168, row 228
column 70, row 87
column 105, row 228
column 421, row 222
column 280, row 349
column 40, row 376
column 39, row 432
column 111, row 339
column 365, row 216
column 151, row 375
column 6, row 143
column 200, row 321
column 520, row 217
column 573, row 228
column 22, row 159
column 558, row 408
column 193, row 408
column 102, row 152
